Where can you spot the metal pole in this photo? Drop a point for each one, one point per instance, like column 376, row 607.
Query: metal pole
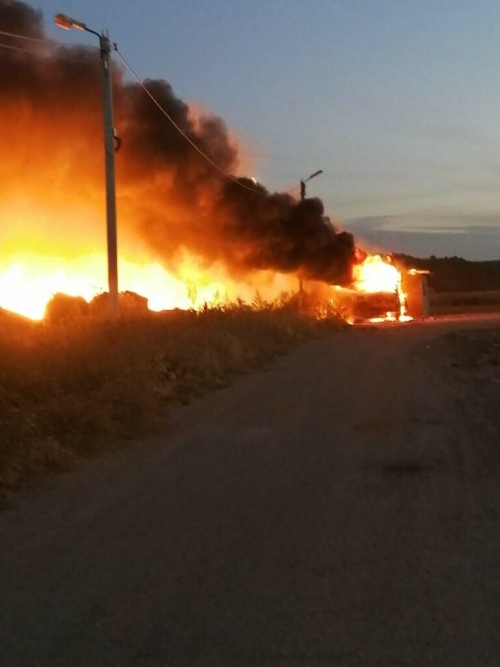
column 302, row 197
column 109, row 150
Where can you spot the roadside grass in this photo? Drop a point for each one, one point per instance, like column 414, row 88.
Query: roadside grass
column 73, row 390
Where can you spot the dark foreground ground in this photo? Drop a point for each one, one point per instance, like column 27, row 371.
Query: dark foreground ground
column 340, row 508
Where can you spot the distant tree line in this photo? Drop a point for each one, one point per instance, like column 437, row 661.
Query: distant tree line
column 455, row 274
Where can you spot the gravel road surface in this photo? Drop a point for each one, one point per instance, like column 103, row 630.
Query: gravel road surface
column 341, row 507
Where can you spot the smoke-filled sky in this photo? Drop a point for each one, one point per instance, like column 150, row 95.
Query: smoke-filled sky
column 398, row 102
column 169, row 196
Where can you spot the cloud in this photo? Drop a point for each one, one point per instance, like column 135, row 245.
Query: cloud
column 472, row 238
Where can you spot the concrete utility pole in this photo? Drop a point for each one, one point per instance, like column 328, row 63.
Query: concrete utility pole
column 302, row 197
column 109, row 149
column 106, row 46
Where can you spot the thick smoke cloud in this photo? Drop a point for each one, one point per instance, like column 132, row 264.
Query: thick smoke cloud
column 171, row 196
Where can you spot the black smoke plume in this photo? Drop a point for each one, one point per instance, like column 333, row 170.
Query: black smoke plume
column 50, row 106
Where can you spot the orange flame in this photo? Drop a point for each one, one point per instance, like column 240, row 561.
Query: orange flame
column 48, row 246
column 29, row 280
column 53, row 238
column 374, row 275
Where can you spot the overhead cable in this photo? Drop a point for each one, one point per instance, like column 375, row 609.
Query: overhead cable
column 167, row 115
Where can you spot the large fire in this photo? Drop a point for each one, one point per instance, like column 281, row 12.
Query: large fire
column 187, row 235
column 376, row 275
column 29, row 280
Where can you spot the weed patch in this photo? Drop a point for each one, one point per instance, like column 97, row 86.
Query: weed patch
column 72, row 390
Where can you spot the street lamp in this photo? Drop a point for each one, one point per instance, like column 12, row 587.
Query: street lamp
column 303, row 183
column 105, row 45
column 302, row 197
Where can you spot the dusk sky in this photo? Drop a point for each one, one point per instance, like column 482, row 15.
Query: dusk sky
column 397, row 101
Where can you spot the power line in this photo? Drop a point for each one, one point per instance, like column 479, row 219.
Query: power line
column 11, row 47
column 40, row 40
column 45, row 41
column 165, row 113
column 139, row 81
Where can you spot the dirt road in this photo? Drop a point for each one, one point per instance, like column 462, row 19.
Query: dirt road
column 339, row 508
